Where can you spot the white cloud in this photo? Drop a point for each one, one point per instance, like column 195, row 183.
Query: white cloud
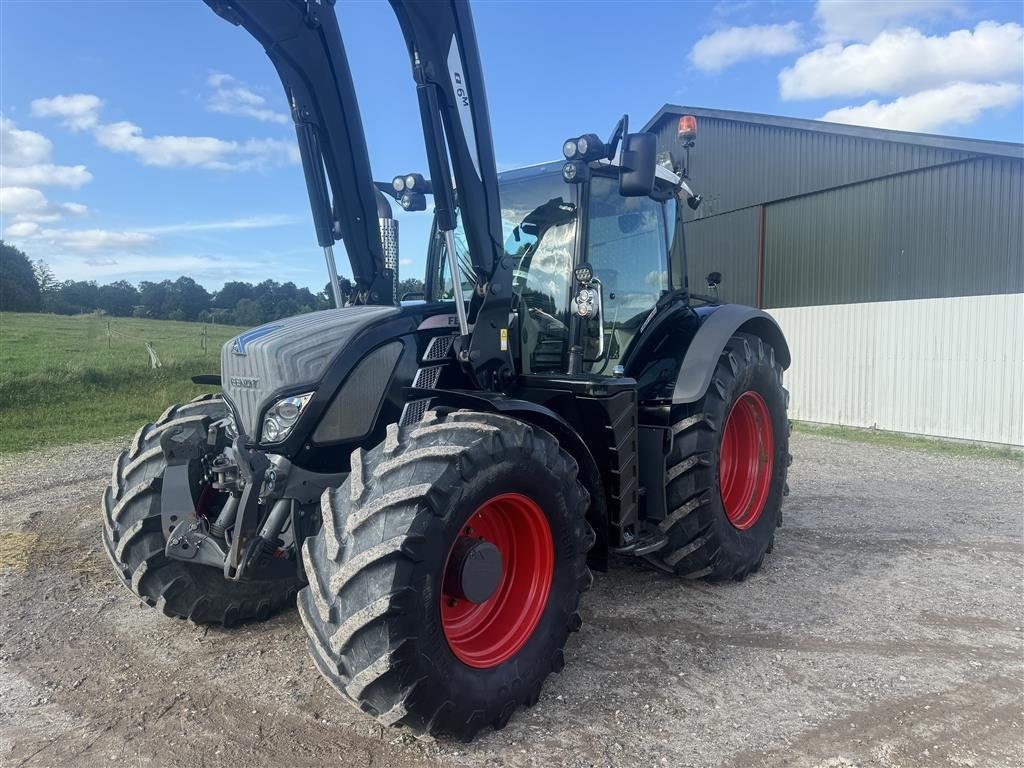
column 77, row 239
column 79, row 111
column 265, row 221
column 96, row 239
column 22, row 147
column 133, row 265
column 161, row 150
column 27, row 204
column 46, row 175
column 21, row 229
column 722, row 49
column 24, row 168
column 842, row 20
column 907, row 61
column 195, row 151
column 931, row 110
column 231, row 96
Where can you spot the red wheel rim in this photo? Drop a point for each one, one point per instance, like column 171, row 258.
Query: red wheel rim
column 745, row 461
column 487, row 634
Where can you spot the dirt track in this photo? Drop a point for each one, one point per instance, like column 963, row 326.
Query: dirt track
column 885, row 630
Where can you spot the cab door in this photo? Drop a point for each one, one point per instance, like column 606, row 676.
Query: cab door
column 628, row 251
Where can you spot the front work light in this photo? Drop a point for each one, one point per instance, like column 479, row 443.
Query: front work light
column 569, row 149
column 590, row 147
column 574, row 171
column 282, row 416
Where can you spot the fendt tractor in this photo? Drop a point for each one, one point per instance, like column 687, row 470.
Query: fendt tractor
column 435, row 478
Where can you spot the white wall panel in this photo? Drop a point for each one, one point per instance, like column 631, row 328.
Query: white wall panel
column 951, row 367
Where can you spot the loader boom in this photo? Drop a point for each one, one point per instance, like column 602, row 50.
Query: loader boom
column 303, row 40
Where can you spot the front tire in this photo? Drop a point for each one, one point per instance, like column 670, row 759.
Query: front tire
column 386, row 626
column 726, row 474
column 134, row 540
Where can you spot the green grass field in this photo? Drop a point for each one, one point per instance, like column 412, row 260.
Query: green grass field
column 60, row 383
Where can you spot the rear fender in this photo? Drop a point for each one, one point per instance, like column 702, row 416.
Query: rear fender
column 716, row 328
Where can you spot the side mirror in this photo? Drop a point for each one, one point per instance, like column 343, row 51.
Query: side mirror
column 639, row 161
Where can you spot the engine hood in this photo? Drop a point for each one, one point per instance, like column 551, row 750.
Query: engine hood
column 292, row 353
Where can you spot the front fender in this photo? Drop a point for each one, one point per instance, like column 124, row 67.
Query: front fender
column 568, row 437
column 716, row 328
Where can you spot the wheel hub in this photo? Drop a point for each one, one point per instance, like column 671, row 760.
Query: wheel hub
column 746, row 459
column 496, row 580
column 474, row 570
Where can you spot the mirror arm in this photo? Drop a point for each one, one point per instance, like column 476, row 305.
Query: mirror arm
column 621, row 129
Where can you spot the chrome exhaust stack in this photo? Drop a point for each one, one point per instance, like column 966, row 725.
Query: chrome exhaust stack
column 389, row 241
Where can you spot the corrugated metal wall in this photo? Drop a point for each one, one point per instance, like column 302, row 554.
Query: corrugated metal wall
column 952, row 230
column 726, row 244
column 896, row 269
column 739, row 164
column 950, row 367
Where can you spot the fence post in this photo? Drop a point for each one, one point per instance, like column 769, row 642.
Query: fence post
column 202, row 341
column 108, row 334
column 154, row 361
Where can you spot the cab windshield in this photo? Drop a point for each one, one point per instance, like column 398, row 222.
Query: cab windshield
column 538, row 213
column 627, row 248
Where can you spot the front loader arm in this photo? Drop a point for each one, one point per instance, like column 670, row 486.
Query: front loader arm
column 303, row 40
column 304, row 43
column 457, row 129
column 443, row 50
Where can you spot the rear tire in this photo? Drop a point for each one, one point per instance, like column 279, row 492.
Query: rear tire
column 134, row 540
column 723, row 506
column 377, row 608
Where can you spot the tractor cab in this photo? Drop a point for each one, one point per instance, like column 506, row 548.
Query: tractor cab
column 627, row 248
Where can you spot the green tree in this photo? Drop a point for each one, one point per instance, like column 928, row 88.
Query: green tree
column 44, row 276
column 118, row 298
column 78, row 296
column 410, row 285
column 188, row 298
column 248, row 312
column 153, row 296
column 19, row 291
column 232, row 292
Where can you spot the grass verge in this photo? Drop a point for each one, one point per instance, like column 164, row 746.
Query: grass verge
column 65, row 380
column 933, row 445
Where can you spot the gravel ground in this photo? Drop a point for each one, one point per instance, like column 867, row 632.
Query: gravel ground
column 885, row 630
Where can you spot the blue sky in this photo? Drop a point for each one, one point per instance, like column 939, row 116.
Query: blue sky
column 147, row 140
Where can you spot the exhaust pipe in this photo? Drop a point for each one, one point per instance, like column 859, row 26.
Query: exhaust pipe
column 389, row 241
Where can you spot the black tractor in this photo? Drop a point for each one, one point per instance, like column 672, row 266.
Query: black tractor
column 435, row 479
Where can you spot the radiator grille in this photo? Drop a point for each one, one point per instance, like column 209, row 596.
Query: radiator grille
column 438, row 348
column 426, row 378
column 413, row 412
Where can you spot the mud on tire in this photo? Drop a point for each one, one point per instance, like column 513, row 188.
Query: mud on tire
column 134, row 541
column 701, row 541
column 373, row 605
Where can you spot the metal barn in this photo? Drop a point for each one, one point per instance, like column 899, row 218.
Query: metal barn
column 892, row 260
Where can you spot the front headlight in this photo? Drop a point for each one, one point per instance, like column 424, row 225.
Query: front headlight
column 282, row 416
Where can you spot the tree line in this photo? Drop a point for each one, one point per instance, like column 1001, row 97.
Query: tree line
column 27, row 286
